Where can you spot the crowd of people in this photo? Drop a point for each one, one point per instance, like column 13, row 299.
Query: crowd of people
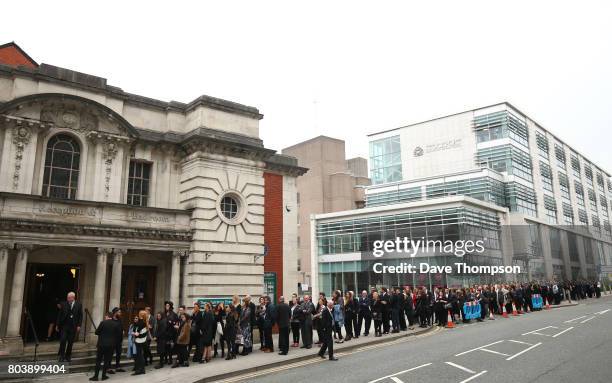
column 210, row 331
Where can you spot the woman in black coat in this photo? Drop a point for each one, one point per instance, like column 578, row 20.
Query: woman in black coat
column 209, row 326
column 377, row 313
column 232, row 318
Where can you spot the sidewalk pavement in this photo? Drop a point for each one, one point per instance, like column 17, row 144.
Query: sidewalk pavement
column 219, row 368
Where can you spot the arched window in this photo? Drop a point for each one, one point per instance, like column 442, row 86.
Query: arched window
column 62, row 161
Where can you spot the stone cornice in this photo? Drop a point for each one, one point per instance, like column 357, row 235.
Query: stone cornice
column 285, row 165
column 29, row 226
column 97, row 84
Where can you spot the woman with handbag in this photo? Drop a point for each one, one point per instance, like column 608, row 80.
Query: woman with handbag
column 377, row 308
column 349, row 311
column 441, row 307
column 139, row 333
column 220, row 323
column 338, row 315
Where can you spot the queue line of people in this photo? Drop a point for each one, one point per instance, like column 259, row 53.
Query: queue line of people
column 201, row 334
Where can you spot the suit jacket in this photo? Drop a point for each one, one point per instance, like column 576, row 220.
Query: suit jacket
column 108, row 332
column 70, row 317
column 283, row 315
column 327, row 322
column 269, row 316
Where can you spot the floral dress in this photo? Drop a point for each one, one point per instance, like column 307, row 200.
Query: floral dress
column 245, row 327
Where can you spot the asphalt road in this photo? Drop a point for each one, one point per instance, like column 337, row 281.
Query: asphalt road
column 571, row 344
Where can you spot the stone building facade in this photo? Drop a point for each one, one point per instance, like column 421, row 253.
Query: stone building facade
column 130, row 201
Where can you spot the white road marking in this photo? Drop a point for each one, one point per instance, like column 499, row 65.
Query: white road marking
column 396, row 379
column 603, row 312
column 518, row 341
column 474, row 377
column 567, row 329
column 588, row 319
column 494, row 352
column 401, row 372
column 524, row 351
column 543, row 328
column 478, row 348
column 461, row 367
column 571, row 320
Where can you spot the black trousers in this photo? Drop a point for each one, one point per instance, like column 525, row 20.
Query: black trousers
column 385, row 320
column 182, row 354
column 348, row 325
column 283, row 339
column 366, row 317
column 103, row 354
column 410, row 316
column 306, row 330
column 117, row 349
column 295, row 330
column 268, row 342
column 328, row 344
column 139, row 362
column 395, row 313
column 66, row 340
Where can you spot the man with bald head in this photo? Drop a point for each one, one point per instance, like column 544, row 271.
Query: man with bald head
column 68, row 323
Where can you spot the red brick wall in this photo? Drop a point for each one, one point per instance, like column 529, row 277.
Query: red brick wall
column 10, row 55
column 273, row 227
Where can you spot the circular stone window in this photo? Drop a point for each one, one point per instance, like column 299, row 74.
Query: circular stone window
column 231, row 208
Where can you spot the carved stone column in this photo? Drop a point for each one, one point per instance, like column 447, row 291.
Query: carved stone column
column 16, row 303
column 97, row 311
column 115, row 284
column 5, row 247
column 175, row 276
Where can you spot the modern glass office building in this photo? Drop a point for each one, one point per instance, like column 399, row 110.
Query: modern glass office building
column 536, row 201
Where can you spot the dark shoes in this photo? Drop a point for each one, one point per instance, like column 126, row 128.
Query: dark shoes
column 333, row 359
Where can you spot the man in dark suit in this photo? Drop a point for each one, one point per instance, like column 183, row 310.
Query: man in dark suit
column 365, row 313
column 69, row 321
column 385, row 299
column 116, row 316
column 327, row 324
column 283, row 317
column 307, row 309
column 268, row 322
column 108, row 332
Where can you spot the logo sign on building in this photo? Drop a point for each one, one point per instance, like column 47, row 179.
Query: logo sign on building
column 439, row 146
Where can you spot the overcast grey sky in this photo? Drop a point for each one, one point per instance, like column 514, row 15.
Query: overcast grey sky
column 344, row 69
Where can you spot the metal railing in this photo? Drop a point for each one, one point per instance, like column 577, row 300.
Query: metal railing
column 30, row 324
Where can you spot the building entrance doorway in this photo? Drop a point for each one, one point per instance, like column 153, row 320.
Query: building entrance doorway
column 47, row 285
column 137, row 291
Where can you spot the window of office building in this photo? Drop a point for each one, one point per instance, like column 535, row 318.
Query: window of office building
column 604, row 206
column 385, row 160
column 592, row 200
column 359, row 235
column 138, row 183
column 506, row 158
column 568, row 214
column 575, row 166
column 560, row 156
column 542, row 143
column 596, row 225
column 579, row 193
column 607, row 230
column 582, row 217
column 588, row 174
column 550, row 205
column 564, row 186
column 501, row 124
column 600, row 183
column 588, row 250
column 520, row 198
column 547, row 177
